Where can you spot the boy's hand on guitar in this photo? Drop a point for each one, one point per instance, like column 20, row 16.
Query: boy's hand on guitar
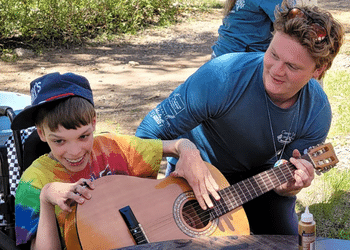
column 303, row 176
column 66, row 194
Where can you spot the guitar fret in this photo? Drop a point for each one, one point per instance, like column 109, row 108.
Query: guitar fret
column 232, row 195
column 261, row 179
column 245, row 189
column 242, row 192
column 216, row 210
column 237, row 195
column 248, row 189
column 224, row 209
column 254, row 189
column 267, row 188
column 229, row 197
column 223, row 196
column 265, row 182
column 290, row 172
column 217, row 207
column 258, row 182
column 283, row 173
column 224, row 199
column 277, row 178
column 258, row 187
column 271, row 182
column 221, row 206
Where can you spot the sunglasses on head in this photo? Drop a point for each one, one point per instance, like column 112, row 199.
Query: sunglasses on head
column 320, row 31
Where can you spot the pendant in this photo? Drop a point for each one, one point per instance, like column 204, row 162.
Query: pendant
column 280, row 162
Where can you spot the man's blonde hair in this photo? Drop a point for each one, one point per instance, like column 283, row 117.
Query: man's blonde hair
column 323, row 52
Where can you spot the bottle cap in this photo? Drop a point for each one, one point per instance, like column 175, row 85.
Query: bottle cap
column 306, row 216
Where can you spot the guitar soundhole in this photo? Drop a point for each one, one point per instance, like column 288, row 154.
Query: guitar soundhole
column 194, row 216
column 190, row 218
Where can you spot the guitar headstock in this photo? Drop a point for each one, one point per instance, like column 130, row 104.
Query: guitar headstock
column 323, row 157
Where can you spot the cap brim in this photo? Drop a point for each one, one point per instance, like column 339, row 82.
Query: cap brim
column 25, row 118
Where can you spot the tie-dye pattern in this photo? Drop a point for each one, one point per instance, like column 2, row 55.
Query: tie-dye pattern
column 111, row 154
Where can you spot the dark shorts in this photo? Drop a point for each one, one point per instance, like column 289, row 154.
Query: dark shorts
column 269, row 213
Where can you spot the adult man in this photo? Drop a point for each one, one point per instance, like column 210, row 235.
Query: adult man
column 245, row 111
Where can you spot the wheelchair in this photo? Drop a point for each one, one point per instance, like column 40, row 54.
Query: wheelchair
column 18, row 149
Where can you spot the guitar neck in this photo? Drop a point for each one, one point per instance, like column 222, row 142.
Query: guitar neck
column 248, row 189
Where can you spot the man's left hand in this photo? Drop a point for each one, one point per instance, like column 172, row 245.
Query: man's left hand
column 303, row 176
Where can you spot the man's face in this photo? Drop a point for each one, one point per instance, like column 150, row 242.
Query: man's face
column 71, row 147
column 287, row 68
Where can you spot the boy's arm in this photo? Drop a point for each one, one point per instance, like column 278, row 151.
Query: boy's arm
column 191, row 167
column 61, row 194
column 47, row 236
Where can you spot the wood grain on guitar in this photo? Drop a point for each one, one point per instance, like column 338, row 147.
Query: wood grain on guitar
column 166, row 209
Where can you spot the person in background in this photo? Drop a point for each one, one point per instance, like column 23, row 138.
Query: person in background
column 248, row 24
column 247, row 111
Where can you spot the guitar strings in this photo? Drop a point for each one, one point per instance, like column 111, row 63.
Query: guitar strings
column 265, row 181
column 165, row 221
column 200, row 216
column 204, row 216
column 229, row 201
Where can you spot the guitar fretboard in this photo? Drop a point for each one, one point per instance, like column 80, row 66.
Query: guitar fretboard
column 248, row 189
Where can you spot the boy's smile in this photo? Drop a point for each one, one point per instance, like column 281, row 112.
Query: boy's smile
column 70, row 147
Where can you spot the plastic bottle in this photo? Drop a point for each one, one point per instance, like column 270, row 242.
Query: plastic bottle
column 307, row 231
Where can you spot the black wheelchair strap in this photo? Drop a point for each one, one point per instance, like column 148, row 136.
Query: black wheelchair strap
column 7, row 243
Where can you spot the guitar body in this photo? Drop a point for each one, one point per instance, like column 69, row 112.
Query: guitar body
column 166, row 210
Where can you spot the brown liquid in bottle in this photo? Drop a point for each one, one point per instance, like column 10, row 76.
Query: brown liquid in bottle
column 307, row 231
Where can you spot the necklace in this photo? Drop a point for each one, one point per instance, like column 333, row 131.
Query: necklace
column 272, row 133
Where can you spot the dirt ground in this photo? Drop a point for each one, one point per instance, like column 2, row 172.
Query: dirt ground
column 131, row 75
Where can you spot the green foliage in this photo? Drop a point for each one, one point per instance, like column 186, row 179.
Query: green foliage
column 333, row 217
column 200, row 4
column 56, row 22
column 49, row 23
column 331, row 210
column 337, row 88
column 329, row 201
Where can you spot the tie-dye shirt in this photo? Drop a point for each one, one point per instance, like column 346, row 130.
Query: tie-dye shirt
column 111, row 155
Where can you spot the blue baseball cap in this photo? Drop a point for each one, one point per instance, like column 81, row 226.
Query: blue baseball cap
column 49, row 88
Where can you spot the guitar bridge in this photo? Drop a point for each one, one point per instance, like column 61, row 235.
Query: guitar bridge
column 134, row 226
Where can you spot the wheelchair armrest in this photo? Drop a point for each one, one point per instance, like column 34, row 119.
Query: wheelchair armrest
column 7, row 111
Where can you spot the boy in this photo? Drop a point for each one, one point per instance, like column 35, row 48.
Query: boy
column 63, row 112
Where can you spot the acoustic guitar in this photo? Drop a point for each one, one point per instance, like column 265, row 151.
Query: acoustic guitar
column 126, row 210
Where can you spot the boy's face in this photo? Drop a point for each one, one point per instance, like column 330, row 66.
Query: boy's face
column 71, row 147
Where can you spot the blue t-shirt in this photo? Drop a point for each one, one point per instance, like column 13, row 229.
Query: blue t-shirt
column 224, row 110
column 247, row 27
